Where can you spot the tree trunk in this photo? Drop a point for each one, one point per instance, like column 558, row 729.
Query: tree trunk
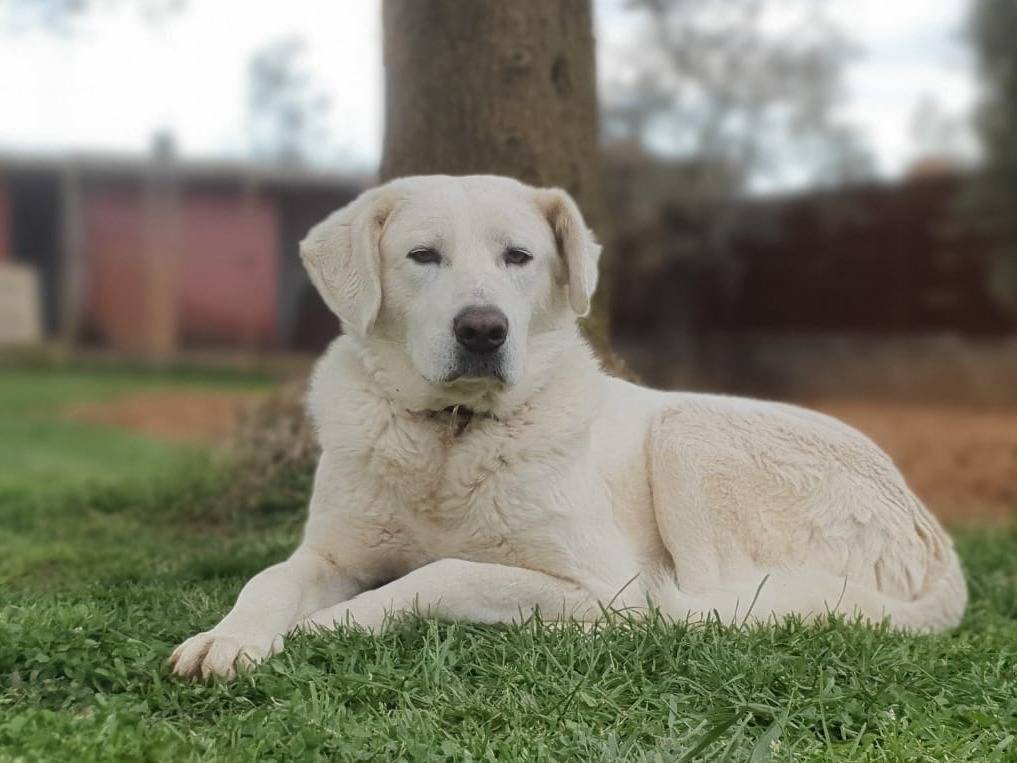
column 497, row 87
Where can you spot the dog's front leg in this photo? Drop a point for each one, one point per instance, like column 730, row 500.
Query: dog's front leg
column 455, row 589
column 268, row 607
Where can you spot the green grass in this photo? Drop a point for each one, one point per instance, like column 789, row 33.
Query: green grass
column 42, row 452
column 99, row 581
column 64, row 485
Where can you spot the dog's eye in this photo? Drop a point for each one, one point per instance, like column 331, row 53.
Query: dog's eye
column 424, row 255
column 516, row 256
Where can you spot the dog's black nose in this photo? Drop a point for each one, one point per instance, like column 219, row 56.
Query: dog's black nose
column 480, row 329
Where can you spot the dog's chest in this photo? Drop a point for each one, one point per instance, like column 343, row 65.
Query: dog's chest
column 471, row 493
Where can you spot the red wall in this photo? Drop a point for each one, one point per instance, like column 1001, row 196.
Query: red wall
column 873, row 258
column 224, row 275
column 228, row 274
column 877, row 258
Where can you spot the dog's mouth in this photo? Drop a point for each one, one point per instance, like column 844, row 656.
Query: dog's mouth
column 468, row 392
column 457, row 376
column 476, row 368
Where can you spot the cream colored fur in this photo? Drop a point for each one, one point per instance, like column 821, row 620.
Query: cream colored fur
column 569, row 491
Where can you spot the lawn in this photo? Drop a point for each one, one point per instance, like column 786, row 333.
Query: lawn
column 114, row 547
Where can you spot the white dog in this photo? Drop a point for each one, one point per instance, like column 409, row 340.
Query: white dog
column 478, row 465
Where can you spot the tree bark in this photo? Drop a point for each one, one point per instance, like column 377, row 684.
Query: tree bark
column 497, row 87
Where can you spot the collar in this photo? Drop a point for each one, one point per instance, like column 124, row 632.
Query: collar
column 458, row 418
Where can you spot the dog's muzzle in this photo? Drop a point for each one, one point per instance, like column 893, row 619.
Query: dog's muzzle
column 480, row 332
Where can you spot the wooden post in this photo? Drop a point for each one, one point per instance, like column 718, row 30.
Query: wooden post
column 6, row 223
column 73, row 270
column 159, row 257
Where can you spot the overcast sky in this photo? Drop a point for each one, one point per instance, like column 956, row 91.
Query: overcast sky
column 118, row 79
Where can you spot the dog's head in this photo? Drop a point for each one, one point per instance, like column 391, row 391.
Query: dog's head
column 460, row 274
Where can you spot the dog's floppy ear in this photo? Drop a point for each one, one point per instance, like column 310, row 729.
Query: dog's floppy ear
column 342, row 256
column 576, row 245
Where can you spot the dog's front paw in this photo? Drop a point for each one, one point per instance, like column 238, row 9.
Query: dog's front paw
column 219, row 654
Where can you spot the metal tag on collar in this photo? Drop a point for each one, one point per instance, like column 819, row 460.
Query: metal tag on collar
column 459, row 419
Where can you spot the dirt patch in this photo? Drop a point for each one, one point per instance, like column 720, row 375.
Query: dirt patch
column 962, row 462
column 197, row 416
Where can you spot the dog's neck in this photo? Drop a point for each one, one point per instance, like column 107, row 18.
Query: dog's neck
column 457, row 418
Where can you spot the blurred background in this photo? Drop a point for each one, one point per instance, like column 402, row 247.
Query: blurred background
column 802, row 200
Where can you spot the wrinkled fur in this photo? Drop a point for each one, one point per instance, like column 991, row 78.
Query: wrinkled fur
column 568, row 490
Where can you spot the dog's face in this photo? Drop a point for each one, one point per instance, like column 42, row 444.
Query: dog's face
column 459, row 273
